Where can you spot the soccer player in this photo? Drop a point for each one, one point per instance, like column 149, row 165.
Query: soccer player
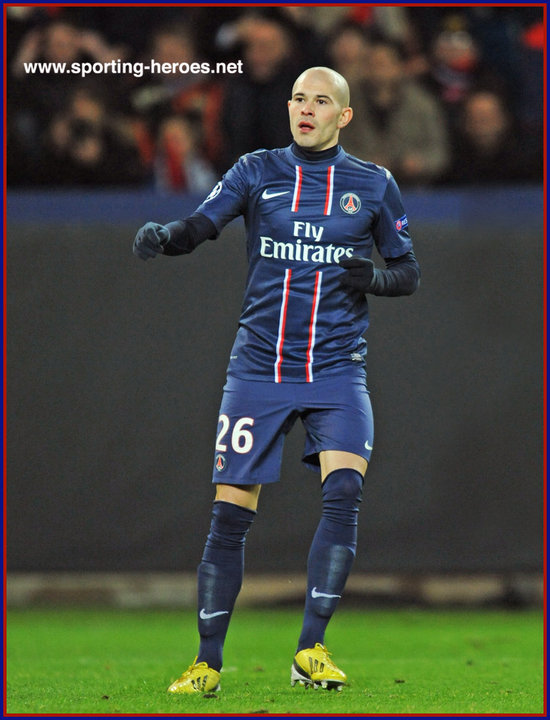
column 313, row 214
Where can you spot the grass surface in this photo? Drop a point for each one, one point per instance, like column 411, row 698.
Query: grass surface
column 399, row 661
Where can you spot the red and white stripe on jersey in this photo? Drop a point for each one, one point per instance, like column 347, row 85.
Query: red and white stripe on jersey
column 330, row 186
column 282, row 325
column 297, row 189
column 313, row 326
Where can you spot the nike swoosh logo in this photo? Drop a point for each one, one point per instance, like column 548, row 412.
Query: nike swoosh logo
column 266, row 194
column 367, row 446
column 316, row 594
column 206, row 616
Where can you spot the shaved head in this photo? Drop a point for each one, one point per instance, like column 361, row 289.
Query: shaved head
column 338, row 85
column 319, row 108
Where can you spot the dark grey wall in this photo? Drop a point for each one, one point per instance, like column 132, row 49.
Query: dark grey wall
column 115, row 370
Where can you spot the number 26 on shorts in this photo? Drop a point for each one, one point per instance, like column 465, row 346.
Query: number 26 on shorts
column 242, row 439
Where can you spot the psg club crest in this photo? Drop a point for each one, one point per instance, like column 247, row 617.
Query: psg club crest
column 350, row 203
column 220, row 462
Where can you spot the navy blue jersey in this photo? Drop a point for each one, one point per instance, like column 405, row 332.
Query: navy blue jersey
column 298, row 323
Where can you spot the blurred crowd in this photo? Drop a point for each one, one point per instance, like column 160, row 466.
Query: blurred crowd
column 442, row 95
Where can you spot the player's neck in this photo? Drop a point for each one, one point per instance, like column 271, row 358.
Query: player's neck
column 312, row 155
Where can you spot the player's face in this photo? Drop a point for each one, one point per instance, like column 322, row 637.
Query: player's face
column 316, row 116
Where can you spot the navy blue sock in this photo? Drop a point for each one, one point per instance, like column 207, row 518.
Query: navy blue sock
column 332, row 553
column 220, row 577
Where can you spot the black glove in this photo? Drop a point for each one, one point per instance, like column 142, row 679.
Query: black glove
column 359, row 273
column 150, row 240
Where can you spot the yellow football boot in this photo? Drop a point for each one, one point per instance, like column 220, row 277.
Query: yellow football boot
column 313, row 667
column 197, row 678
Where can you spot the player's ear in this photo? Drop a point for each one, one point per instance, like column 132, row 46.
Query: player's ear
column 345, row 117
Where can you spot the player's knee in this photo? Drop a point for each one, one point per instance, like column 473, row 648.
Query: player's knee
column 342, row 491
column 344, row 484
column 230, row 525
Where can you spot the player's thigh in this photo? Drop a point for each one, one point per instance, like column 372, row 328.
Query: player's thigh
column 331, row 460
column 340, row 421
column 254, row 419
column 243, row 495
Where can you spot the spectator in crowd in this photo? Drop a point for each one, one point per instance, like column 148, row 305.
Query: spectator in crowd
column 86, row 145
column 59, row 41
column 348, row 49
column 487, row 149
column 172, row 45
column 310, row 46
column 188, row 93
column 456, row 61
column 255, row 111
column 397, row 123
column 227, row 31
column 178, row 167
column 35, row 97
column 500, row 33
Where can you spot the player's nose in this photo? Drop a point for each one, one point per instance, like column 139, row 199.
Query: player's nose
column 307, row 109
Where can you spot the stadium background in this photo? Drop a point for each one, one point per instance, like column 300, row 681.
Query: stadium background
column 115, row 369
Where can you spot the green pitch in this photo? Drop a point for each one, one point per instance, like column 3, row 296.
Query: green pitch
column 397, row 661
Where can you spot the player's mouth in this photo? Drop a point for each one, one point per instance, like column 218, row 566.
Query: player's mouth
column 306, row 126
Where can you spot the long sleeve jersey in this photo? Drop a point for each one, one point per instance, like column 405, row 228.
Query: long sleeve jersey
column 303, row 215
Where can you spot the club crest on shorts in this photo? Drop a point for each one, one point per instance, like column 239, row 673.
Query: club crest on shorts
column 220, row 462
column 350, row 203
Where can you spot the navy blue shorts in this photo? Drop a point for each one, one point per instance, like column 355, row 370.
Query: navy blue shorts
column 256, row 416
